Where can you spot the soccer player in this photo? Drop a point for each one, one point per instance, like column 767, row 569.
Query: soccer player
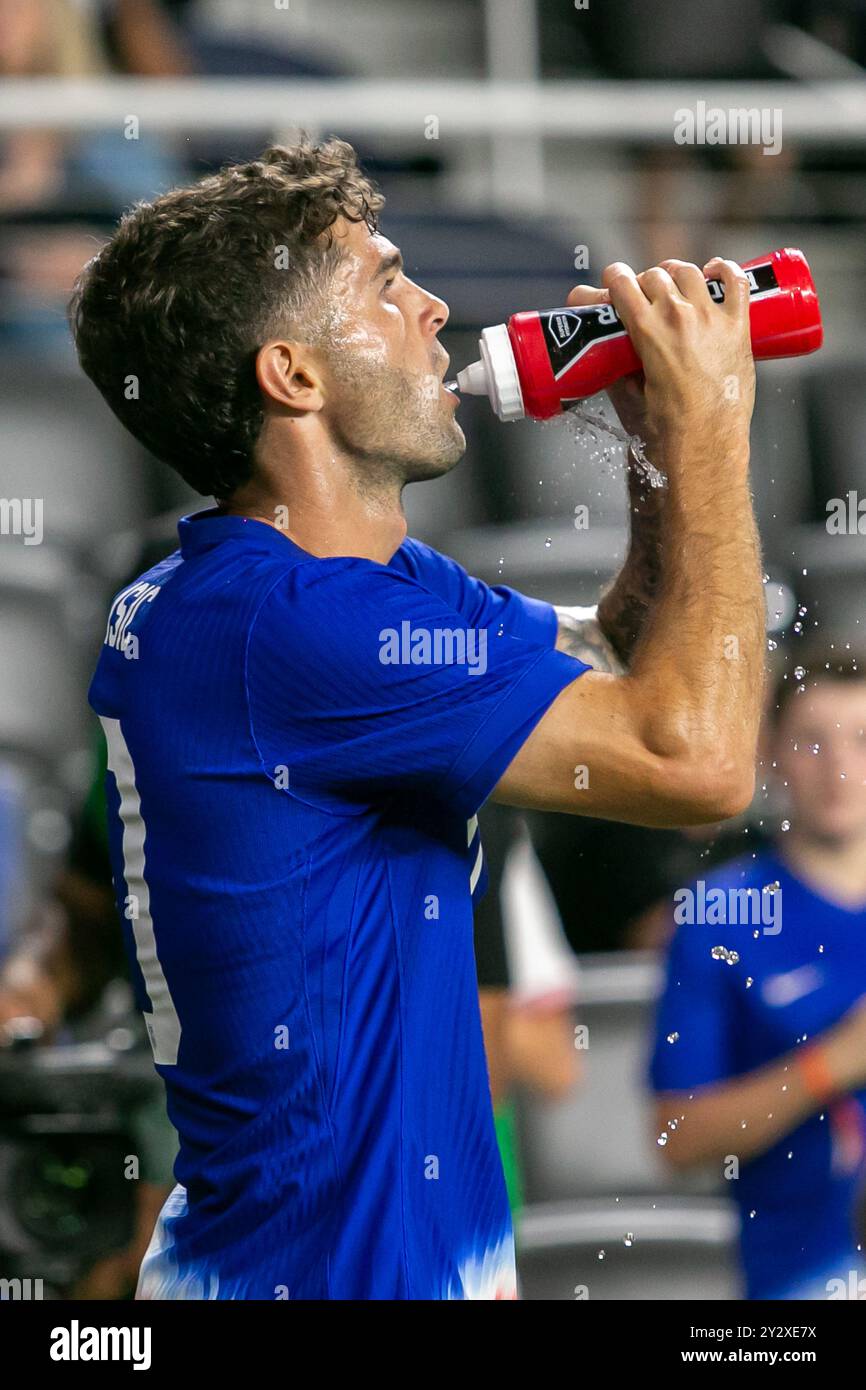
column 305, row 710
column 762, row 1062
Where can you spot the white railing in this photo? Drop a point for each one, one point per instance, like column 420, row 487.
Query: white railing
column 642, row 112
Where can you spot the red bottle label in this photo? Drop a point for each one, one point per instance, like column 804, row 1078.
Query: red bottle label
column 569, row 333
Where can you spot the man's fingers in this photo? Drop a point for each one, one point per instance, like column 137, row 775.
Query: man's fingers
column 689, row 280
column 587, row 294
column 656, row 283
column 734, row 282
column 626, row 295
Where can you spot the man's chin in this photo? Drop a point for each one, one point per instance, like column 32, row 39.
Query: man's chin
column 424, row 470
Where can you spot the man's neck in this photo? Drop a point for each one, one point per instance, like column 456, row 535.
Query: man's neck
column 836, row 868
column 321, row 507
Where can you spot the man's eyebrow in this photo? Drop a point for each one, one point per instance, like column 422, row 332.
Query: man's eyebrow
column 393, row 261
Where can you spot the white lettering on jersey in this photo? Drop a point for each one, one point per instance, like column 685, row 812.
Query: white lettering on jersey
column 124, row 609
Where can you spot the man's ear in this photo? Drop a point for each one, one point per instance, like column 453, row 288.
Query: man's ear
column 288, row 376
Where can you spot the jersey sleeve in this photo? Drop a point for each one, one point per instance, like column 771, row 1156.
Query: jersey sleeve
column 694, row 1012
column 480, row 604
column 362, row 683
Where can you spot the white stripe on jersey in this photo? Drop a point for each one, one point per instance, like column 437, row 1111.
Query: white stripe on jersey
column 471, row 831
column 163, row 1025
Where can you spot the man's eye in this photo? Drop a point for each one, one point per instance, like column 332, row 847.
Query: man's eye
column 389, row 282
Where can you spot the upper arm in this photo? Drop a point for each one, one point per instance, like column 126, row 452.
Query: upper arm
column 594, row 754
column 588, row 756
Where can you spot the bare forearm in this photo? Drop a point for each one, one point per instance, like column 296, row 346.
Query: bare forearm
column 699, row 659
column 741, row 1118
column 623, row 608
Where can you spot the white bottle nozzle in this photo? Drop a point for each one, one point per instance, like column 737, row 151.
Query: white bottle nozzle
column 495, row 375
column 472, row 381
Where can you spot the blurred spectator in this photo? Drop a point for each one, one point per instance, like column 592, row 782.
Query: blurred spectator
column 760, row 1050
column 57, row 190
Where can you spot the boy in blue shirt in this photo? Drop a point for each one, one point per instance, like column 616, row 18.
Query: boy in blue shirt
column 760, row 1049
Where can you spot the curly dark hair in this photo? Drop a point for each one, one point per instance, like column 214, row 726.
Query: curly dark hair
column 170, row 314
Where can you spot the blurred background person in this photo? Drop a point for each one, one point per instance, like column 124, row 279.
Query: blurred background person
column 759, row 1064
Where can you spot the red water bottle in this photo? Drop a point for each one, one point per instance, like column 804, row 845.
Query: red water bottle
column 539, row 363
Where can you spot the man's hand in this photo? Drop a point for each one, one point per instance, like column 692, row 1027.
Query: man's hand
column 672, row 742
column 677, row 291
column 696, row 353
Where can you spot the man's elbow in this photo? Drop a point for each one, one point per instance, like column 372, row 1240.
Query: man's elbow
column 725, row 791
column 714, row 789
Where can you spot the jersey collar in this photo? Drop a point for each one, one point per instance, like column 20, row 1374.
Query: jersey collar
column 202, row 530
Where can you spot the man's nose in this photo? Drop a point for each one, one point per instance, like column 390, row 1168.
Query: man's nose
column 434, row 313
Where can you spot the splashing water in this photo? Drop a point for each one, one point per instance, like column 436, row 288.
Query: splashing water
column 594, row 421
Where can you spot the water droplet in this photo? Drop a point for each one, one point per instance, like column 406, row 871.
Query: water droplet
column 628, row 1239
column 662, row 1140
column 722, row 953
column 786, row 825
column 749, row 982
column 673, row 1037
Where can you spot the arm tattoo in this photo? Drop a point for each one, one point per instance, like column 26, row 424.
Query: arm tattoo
column 579, row 634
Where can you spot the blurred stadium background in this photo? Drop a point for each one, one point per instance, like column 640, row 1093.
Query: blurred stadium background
column 515, row 140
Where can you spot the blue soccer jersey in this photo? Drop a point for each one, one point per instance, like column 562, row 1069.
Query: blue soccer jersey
column 801, row 964
column 297, row 751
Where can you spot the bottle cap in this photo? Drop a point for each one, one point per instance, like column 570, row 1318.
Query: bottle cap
column 495, row 375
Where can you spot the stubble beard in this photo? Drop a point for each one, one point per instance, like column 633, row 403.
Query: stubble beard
column 395, row 423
